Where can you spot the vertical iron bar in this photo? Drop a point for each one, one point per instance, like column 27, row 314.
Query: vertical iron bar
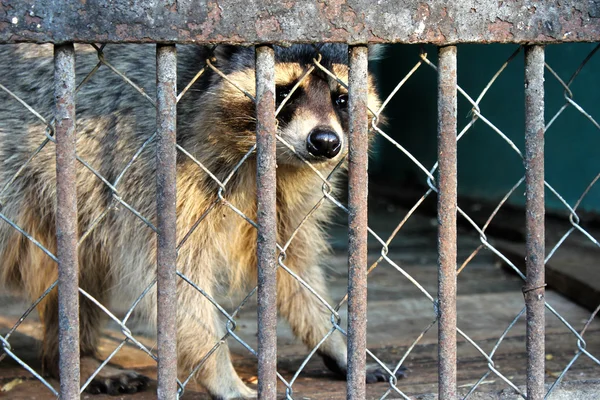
column 66, row 220
column 358, row 142
column 166, row 192
column 447, row 211
column 267, row 222
column 534, row 178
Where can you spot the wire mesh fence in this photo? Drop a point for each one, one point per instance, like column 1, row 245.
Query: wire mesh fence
column 217, row 216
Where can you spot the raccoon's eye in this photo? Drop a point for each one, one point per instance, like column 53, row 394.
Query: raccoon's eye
column 282, row 93
column 342, row 101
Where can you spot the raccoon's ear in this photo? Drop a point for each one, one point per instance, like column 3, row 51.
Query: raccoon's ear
column 376, row 52
column 224, row 52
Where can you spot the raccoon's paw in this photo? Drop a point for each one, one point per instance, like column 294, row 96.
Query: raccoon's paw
column 244, row 393
column 250, row 393
column 112, row 380
column 125, row 382
column 377, row 374
column 334, row 365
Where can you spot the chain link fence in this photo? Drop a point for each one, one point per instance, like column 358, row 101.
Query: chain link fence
column 478, row 116
column 123, row 199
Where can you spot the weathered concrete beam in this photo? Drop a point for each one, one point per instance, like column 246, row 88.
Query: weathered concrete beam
column 285, row 21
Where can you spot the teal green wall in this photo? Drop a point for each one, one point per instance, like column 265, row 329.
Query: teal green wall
column 487, row 166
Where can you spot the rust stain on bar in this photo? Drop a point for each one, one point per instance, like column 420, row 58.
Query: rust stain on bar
column 66, row 220
column 358, row 139
column 535, row 246
column 358, row 21
column 447, row 211
column 166, row 192
column 267, row 222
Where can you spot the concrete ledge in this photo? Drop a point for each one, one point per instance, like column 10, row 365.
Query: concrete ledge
column 285, row 21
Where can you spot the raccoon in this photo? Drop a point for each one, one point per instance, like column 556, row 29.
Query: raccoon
column 216, row 126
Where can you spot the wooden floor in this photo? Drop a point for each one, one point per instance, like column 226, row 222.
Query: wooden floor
column 489, row 298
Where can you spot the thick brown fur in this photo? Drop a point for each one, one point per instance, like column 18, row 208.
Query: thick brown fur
column 117, row 260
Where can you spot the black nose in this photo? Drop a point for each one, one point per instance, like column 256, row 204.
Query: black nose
column 323, row 143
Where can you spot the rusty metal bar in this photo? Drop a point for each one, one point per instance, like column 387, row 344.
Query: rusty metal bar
column 166, row 257
column 66, row 220
column 534, row 178
column 412, row 21
column 267, row 222
column 447, row 211
column 358, row 141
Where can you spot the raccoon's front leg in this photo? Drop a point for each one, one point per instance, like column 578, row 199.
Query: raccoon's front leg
column 308, row 317
column 310, row 320
column 199, row 329
column 110, row 379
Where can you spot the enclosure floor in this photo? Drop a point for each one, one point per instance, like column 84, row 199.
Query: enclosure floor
column 489, row 298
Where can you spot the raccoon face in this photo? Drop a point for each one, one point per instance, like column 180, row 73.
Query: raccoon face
column 312, row 123
column 314, row 118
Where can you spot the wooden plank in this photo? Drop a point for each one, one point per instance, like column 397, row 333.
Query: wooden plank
column 572, row 271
